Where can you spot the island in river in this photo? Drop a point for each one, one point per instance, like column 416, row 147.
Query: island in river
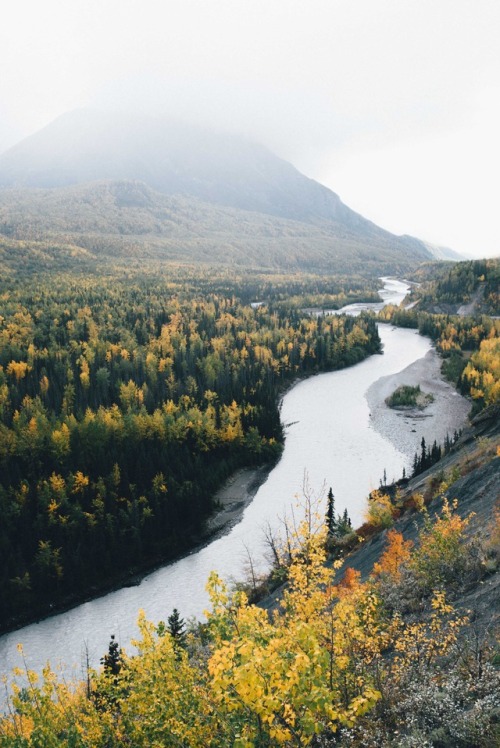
column 404, row 429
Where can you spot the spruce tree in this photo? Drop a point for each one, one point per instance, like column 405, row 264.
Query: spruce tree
column 346, row 521
column 330, row 513
column 423, row 458
column 112, row 660
column 176, row 628
column 416, row 465
column 344, row 524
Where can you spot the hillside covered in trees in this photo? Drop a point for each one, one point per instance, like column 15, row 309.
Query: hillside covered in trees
column 471, row 288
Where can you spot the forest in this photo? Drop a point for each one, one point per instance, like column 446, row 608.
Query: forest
column 127, row 398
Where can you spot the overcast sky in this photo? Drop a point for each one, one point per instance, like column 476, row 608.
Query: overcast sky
column 394, row 104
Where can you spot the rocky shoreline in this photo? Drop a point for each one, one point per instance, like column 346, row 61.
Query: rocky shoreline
column 233, row 498
column 405, row 428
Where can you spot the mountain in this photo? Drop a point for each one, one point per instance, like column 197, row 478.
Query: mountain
column 171, row 158
column 439, row 252
column 181, row 192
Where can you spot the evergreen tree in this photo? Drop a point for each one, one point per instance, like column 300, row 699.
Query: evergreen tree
column 176, row 628
column 416, row 465
column 423, row 457
column 344, row 524
column 435, row 453
column 330, row 513
column 112, row 660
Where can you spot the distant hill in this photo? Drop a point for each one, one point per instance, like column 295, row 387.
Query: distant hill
column 464, row 288
column 445, row 253
column 116, row 184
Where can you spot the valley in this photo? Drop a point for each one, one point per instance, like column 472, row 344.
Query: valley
column 191, row 336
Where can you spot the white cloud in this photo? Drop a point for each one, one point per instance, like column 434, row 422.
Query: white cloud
column 443, row 188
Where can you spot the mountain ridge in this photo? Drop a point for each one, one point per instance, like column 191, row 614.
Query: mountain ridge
column 124, row 219
column 152, row 174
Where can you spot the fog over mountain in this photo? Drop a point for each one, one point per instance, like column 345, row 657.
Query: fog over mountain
column 172, row 158
column 170, row 183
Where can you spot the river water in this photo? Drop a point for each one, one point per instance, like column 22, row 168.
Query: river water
column 329, row 437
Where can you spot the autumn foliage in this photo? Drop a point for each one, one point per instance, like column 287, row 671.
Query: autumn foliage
column 396, row 554
column 331, row 665
column 483, row 372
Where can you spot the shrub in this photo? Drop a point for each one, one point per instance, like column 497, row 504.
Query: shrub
column 444, row 556
column 380, row 510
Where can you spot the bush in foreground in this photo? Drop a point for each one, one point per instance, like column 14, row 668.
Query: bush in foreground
column 334, row 665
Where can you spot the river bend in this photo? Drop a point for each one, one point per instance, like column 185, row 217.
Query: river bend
column 330, row 437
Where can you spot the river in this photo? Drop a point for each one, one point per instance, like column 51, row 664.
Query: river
column 329, row 436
